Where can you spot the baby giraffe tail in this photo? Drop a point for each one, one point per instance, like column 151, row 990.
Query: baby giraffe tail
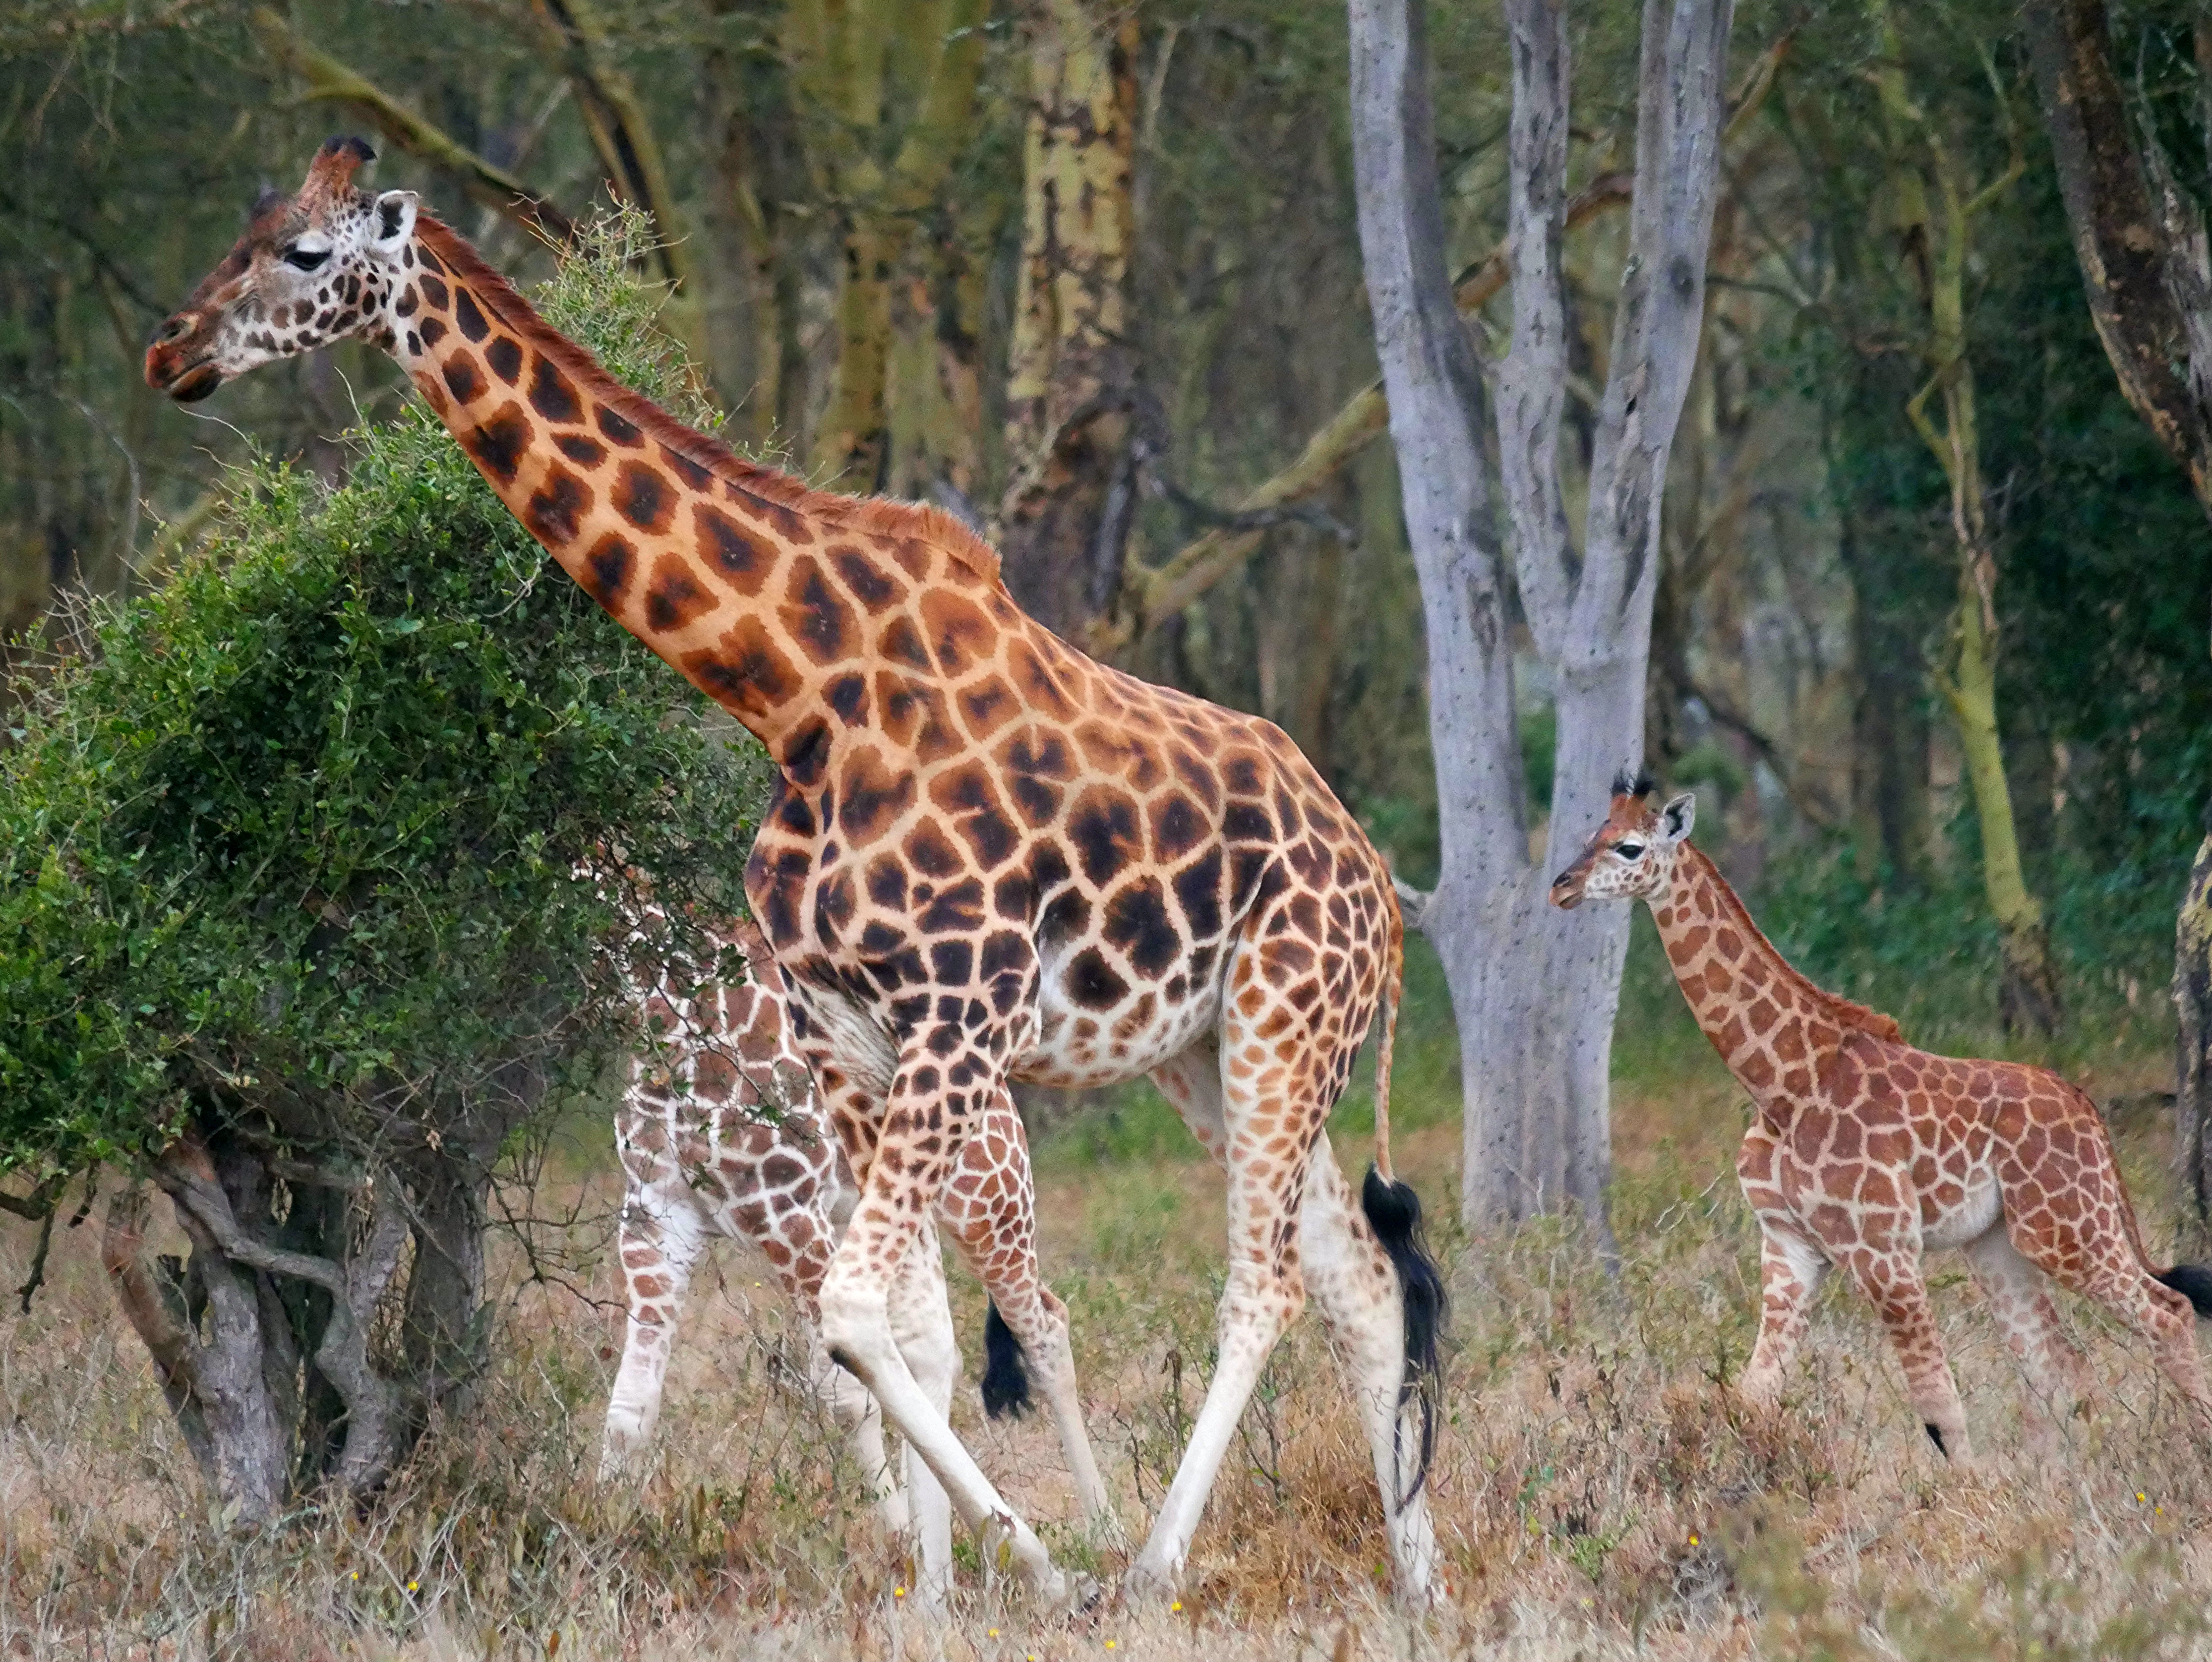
column 1394, row 1212
column 2192, row 1281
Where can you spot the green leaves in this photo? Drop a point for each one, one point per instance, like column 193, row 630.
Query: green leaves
column 303, row 834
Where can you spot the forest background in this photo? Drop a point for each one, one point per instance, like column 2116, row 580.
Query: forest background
column 1152, row 383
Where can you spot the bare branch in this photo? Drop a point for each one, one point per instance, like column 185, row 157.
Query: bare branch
column 328, row 79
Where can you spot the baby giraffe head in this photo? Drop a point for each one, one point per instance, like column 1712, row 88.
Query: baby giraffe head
column 311, row 269
column 1632, row 856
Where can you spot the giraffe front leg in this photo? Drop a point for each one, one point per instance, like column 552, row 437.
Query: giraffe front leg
column 920, row 1314
column 1790, row 1271
column 659, row 1245
column 1893, row 1283
column 904, row 1165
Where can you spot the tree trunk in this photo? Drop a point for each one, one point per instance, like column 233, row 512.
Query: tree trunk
column 1533, row 989
column 1936, row 257
column 260, row 1339
column 861, row 66
column 2145, row 271
column 1064, row 520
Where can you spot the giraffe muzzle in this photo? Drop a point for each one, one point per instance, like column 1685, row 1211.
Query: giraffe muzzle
column 168, row 371
column 1567, row 889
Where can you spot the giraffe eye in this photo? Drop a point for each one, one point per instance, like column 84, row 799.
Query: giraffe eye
column 1629, row 850
column 306, row 259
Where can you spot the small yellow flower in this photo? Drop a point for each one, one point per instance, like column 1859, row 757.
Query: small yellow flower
column 898, row 1593
column 993, row 1633
column 1694, row 1538
column 1175, row 1609
column 357, row 1575
column 2141, row 1497
column 413, row 1587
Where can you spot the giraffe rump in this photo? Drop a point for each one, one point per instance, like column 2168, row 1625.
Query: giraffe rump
column 1394, row 1212
column 1006, row 1372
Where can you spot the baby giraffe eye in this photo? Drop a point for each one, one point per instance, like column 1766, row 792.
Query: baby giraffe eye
column 306, row 259
column 1629, row 850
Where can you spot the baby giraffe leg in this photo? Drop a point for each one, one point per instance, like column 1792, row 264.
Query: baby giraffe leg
column 1790, row 1271
column 1894, row 1285
column 659, row 1245
column 2105, row 1267
column 2057, row 1375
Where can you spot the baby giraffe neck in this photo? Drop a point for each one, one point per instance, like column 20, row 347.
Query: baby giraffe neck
column 685, row 545
column 1771, row 1027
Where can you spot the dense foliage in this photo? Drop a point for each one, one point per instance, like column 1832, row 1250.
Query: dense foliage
column 300, row 833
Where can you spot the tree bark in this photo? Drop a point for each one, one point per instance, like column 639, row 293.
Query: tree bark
column 1936, row 254
column 859, row 66
column 2145, row 267
column 1533, row 989
column 1071, row 393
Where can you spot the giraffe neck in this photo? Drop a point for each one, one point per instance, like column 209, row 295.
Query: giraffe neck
column 754, row 587
column 1771, row 1026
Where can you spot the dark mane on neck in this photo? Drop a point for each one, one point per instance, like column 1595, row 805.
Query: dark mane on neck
column 867, row 516
column 1852, row 1018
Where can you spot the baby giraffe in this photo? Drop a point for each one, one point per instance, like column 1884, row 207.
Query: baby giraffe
column 1864, row 1152
column 721, row 1135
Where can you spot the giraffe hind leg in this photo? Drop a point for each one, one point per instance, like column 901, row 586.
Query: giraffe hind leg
column 904, row 1174
column 990, row 1208
column 2057, row 1373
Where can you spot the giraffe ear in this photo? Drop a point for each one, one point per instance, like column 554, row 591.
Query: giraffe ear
column 1678, row 815
column 394, row 219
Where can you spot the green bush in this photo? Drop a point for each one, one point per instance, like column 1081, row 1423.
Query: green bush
column 299, row 833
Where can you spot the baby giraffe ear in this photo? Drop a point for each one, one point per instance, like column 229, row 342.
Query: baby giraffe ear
column 1678, row 815
column 395, row 219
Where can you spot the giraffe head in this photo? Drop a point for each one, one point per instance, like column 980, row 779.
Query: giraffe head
column 311, row 269
column 1632, row 856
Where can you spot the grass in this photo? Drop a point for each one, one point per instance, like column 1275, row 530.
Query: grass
column 1597, row 1494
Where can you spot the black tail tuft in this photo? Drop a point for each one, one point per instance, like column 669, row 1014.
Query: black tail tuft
column 1006, row 1376
column 2192, row 1281
column 1394, row 1211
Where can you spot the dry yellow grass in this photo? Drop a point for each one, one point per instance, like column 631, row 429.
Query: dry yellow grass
column 1597, row 1494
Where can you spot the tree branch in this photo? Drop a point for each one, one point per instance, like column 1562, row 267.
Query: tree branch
column 1151, row 596
column 328, row 79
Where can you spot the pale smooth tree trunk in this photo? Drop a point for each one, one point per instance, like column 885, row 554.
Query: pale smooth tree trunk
column 1533, row 990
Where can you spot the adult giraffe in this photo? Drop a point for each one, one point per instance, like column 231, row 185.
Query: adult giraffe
column 987, row 858
column 1863, row 1151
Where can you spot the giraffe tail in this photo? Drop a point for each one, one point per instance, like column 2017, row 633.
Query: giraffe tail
column 1006, row 1372
column 1394, row 1212
column 2192, row 1281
